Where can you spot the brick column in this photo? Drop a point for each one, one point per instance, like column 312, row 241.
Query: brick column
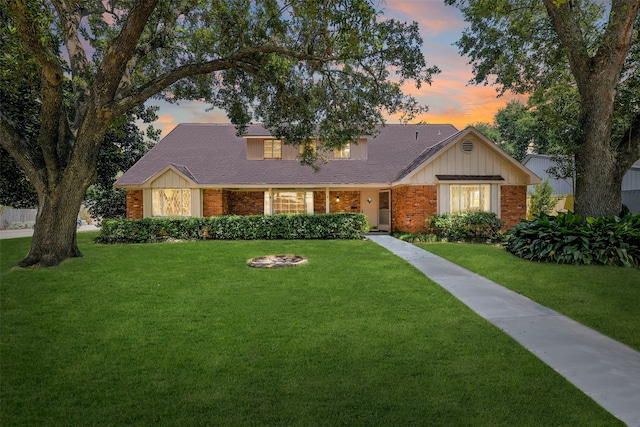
column 513, row 204
column 134, row 204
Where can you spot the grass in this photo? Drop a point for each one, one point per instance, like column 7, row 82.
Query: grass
column 186, row 334
column 604, row 298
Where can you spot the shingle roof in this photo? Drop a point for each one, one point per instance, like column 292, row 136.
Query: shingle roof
column 212, row 154
column 470, row 177
column 427, row 154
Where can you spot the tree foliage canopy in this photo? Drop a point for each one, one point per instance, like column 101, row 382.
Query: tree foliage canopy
column 303, row 68
column 579, row 61
column 328, row 70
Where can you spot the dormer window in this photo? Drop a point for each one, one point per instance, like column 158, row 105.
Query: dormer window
column 342, row 153
column 311, row 145
column 272, row 149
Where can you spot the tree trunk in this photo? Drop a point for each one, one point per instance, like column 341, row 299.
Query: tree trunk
column 54, row 236
column 598, row 190
column 598, row 182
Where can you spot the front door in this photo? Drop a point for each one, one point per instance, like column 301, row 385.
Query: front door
column 369, row 206
column 384, row 210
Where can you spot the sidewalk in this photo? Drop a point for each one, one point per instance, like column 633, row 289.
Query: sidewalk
column 26, row 232
column 604, row 369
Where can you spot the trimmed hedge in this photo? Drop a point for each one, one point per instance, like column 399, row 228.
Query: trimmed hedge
column 567, row 239
column 251, row 227
column 468, row 226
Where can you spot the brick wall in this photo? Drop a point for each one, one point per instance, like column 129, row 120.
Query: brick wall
column 246, row 202
column 411, row 206
column 349, row 202
column 319, row 203
column 134, row 204
column 214, row 202
column 513, row 204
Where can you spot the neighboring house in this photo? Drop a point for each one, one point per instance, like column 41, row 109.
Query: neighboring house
column 398, row 179
column 540, row 163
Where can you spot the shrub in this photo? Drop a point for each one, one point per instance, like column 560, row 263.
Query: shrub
column 16, row 225
column 416, row 237
column 253, row 227
column 567, row 239
column 468, row 226
column 541, row 199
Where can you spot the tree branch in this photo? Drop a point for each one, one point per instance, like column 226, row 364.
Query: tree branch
column 114, row 64
column 157, row 42
column 51, row 140
column 23, row 152
column 70, row 22
column 33, row 38
column 239, row 60
column 617, row 38
column 565, row 23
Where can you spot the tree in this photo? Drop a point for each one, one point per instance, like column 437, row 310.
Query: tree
column 518, row 129
column 304, row 68
column 533, row 46
column 490, row 131
column 124, row 144
column 15, row 189
column 541, row 199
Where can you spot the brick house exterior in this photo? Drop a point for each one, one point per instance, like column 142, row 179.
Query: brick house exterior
column 513, row 201
column 412, row 206
column 134, row 204
column 398, row 179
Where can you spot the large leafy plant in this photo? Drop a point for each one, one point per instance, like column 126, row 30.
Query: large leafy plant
column 568, row 239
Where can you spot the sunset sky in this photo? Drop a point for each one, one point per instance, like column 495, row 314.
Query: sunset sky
column 450, row 98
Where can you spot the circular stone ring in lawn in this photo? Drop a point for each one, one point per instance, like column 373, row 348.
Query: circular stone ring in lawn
column 276, row 261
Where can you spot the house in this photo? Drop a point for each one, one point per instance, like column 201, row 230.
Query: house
column 397, row 179
column 540, row 163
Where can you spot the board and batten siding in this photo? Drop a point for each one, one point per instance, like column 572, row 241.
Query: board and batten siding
column 255, row 150
column 171, row 179
column 631, row 180
column 539, row 164
column 481, row 161
column 357, row 151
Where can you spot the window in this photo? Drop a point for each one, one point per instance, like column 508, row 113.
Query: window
column 288, row 202
column 311, row 145
column 470, row 198
column 171, row 202
column 272, row 149
column 343, row 153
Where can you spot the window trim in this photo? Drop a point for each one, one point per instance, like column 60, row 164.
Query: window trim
column 271, row 195
column 444, row 196
column 342, row 153
column 272, row 154
column 182, row 191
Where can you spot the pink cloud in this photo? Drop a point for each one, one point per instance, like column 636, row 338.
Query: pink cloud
column 434, row 17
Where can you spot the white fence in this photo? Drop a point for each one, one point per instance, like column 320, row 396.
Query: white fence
column 9, row 216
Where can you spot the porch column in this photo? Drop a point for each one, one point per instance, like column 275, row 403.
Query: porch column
column 326, row 199
column 268, row 209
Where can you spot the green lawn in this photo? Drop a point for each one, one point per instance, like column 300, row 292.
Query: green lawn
column 602, row 297
column 185, row 334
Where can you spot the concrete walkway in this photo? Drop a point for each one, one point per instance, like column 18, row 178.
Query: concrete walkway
column 604, row 369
